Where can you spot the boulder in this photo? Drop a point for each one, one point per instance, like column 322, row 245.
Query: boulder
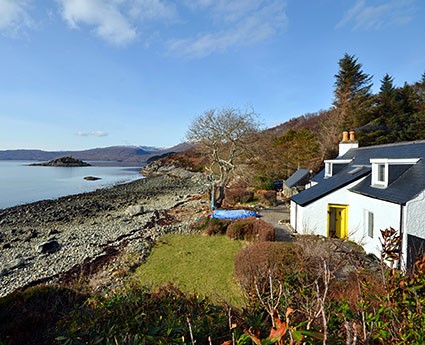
column 12, row 265
column 92, row 178
column 49, row 247
column 32, row 234
column 17, row 263
column 134, row 210
column 53, row 232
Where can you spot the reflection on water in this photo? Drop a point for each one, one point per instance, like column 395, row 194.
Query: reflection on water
column 21, row 183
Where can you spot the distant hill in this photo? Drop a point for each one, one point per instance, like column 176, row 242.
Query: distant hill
column 126, row 155
column 309, row 121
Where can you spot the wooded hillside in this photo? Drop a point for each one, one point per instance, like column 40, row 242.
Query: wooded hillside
column 394, row 114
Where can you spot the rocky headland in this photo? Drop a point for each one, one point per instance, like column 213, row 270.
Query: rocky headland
column 63, row 162
column 97, row 235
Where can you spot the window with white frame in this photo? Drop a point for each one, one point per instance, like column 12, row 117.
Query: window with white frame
column 381, row 166
column 369, row 223
column 328, row 169
column 330, row 163
column 381, row 173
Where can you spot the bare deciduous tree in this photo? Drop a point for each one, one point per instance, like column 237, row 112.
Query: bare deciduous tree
column 223, row 135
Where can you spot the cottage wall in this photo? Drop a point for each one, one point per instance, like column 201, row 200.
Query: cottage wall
column 294, row 214
column 385, row 215
column 415, row 216
column 313, row 218
column 413, row 221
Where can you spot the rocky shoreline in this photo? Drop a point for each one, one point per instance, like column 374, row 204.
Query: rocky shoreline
column 95, row 234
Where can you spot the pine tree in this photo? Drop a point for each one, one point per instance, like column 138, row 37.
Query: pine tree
column 420, row 93
column 352, row 93
column 377, row 131
column 387, row 100
column 407, row 121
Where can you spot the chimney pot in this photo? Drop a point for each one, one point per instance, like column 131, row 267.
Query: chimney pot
column 347, row 144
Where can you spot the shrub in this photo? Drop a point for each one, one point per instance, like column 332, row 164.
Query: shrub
column 189, row 159
column 266, row 197
column 256, row 261
column 29, row 316
column 213, row 226
column 251, row 229
column 264, row 181
column 200, row 224
column 143, row 316
column 238, row 195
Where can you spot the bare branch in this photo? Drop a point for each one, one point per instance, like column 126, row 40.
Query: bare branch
column 223, row 135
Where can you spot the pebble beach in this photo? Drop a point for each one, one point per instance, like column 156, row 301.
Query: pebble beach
column 51, row 241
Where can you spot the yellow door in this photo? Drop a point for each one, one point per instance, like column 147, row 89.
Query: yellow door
column 338, row 221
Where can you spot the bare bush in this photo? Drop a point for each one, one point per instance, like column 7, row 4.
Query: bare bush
column 254, row 263
column 216, row 226
column 236, row 196
column 251, row 229
column 266, row 197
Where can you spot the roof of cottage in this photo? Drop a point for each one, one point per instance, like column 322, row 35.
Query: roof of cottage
column 405, row 182
column 296, row 177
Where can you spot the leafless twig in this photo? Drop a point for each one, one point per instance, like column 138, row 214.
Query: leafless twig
column 190, row 331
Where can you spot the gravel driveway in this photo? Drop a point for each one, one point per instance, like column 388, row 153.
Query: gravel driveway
column 278, row 216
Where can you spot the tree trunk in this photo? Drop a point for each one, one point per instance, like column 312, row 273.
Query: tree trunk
column 216, row 196
column 212, row 196
column 220, row 198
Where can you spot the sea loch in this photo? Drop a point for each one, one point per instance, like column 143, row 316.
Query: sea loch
column 21, row 183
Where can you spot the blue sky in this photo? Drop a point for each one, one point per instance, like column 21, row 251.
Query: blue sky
column 79, row 74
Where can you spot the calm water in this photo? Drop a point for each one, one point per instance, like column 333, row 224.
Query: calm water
column 21, row 184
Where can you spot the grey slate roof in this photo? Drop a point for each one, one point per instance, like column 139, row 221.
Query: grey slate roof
column 404, row 185
column 296, row 177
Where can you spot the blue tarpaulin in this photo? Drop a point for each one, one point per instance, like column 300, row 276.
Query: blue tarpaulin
column 233, row 214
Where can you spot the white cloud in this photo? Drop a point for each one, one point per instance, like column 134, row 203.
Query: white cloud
column 209, row 25
column 115, row 21
column 244, row 23
column 14, row 16
column 106, row 16
column 369, row 17
column 92, row 134
column 152, row 9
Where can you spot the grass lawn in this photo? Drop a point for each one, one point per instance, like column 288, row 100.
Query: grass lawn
column 195, row 264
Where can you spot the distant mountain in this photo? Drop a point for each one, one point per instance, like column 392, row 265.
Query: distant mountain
column 126, row 155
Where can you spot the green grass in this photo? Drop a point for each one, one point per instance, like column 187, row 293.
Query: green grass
column 195, row 264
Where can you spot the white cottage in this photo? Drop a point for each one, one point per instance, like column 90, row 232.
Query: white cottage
column 365, row 190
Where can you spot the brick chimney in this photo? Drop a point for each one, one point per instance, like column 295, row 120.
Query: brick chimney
column 348, row 142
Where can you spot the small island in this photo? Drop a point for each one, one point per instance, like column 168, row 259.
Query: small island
column 63, row 162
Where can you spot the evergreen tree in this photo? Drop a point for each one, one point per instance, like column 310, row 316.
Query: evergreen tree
column 377, row 131
column 420, row 94
column 399, row 114
column 408, row 124
column 387, row 100
column 352, row 93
